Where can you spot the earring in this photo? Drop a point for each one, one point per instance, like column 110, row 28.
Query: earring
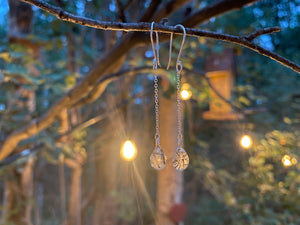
column 157, row 157
column 181, row 159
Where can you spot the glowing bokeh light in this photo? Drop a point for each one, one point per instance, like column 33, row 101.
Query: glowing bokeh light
column 246, row 141
column 185, row 94
column 128, row 150
column 286, row 160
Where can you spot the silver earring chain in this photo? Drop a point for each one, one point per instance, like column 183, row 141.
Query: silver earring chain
column 179, row 106
column 156, row 102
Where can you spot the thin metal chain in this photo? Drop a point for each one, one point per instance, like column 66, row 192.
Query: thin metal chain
column 179, row 107
column 156, row 103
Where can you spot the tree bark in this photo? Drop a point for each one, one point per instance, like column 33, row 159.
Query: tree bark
column 170, row 181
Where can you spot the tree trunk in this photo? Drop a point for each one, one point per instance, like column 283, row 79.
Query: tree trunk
column 19, row 185
column 170, row 181
column 105, row 209
column 75, row 197
column 17, row 196
column 75, row 193
column 64, row 127
column 62, row 187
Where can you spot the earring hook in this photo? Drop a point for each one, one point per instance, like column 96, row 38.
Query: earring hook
column 155, row 54
column 170, row 50
column 178, row 62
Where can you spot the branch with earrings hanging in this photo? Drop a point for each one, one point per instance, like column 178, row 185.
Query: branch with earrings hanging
column 245, row 41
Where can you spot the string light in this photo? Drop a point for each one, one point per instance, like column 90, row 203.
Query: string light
column 185, row 93
column 246, row 141
column 288, row 161
column 128, row 150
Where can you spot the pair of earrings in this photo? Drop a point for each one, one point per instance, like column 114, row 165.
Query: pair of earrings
column 158, row 158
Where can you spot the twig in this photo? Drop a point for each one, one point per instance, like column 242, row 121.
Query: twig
column 9, row 160
column 260, row 32
column 96, row 119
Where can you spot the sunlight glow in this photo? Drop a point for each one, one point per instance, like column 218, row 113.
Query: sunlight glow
column 246, row 141
column 128, row 150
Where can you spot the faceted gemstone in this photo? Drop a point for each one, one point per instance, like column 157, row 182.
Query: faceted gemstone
column 158, row 159
column 181, row 159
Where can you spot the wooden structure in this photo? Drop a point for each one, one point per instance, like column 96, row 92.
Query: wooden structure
column 220, row 71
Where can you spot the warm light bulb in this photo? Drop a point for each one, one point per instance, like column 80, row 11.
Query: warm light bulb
column 286, row 160
column 185, row 93
column 246, row 141
column 128, row 150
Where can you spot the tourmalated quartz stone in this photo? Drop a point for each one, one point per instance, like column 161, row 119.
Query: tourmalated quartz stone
column 158, row 159
column 181, row 159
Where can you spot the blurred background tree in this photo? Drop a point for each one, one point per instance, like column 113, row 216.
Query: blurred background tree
column 72, row 172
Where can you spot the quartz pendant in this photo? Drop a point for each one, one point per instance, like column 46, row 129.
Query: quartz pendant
column 181, row 159
column 158, row 159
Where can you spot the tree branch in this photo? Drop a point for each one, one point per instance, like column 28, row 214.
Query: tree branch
column 245, row 41
column 120, row 11
column 104, row 25
column 242, row 40
column 85, row 86
column 102, row 83
column 150, row 11
column 85, row 124
column 215, row 9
